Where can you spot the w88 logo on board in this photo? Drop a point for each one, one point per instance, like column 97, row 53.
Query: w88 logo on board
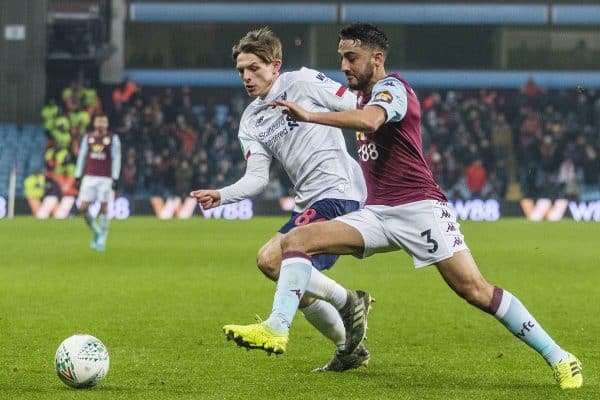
column 368, row 151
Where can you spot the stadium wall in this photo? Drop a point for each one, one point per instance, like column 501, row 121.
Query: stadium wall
column 342, row 12
column 466, row 79
column 186, row 208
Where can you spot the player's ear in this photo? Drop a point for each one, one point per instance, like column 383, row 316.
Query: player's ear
column 277, row 65
column 379, row 58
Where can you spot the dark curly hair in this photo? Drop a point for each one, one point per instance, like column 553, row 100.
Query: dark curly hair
column 366, row 35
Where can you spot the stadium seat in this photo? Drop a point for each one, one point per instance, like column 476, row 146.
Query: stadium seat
column 23, row 148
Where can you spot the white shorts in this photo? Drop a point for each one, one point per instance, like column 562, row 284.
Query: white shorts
column 96, row 188
column 426, row 229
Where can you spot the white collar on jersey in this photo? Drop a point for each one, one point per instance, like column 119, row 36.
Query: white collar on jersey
column 273, row 93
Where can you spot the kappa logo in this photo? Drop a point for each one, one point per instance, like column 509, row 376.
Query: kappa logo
column 457, row 241
column 297, row 292
column 451, row 227
column 445, row 214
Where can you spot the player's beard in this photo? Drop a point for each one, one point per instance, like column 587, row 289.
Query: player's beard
column 363, row 78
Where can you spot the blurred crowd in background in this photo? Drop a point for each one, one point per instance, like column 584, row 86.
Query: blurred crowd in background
column 501, row 144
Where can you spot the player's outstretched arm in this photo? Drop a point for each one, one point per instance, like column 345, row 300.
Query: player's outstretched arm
column 253, row 182
column 366, row 120
column 207, row 198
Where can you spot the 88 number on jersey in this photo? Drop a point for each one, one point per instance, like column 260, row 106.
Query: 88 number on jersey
column 368, row 151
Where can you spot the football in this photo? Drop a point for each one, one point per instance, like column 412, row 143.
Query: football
column 81, row 361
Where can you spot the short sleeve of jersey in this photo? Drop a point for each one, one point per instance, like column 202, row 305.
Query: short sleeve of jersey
column 324, row 91
column 390, row 94
column 249, row 144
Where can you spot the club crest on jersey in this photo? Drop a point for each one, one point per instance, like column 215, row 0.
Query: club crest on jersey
column 282, row 97
column 360, row 135
column 384, row 97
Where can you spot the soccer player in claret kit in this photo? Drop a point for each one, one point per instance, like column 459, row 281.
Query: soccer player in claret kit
column 99, row 162
column 405, row 208
column 327, row 182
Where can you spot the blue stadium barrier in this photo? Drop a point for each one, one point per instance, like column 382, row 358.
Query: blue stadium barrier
column 576, row 15
column 431, row 79
column 233, row 12
column 462, row 14
column 336, row 12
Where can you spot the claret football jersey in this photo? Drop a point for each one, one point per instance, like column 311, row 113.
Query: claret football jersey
column 391, row 158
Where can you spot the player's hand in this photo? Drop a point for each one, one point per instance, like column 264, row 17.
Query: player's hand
column 207, row 198
column 293, row 110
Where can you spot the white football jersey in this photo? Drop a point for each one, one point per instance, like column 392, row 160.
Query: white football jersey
column 314, row 156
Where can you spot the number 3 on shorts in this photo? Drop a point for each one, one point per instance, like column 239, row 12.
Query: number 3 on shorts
column 433, row 242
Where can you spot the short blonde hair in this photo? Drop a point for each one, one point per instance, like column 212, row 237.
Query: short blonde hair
column 262, row 43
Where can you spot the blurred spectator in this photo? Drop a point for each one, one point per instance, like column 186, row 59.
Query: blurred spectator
column 49, row 114
column 35, row 188
column 183, row 178
column 187, row 137
column 129, row 173
column 591, row 174
column 476, row 179
column 61, row 132
column 501, row 132
column 71, row 96
column 35, row 185
column 123, row 93
column 567, row 179
column 161, row 176
column 64, row 182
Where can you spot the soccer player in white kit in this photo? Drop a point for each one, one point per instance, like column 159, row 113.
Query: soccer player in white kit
column 327, row 181
column 405, row 208
column 99, row 162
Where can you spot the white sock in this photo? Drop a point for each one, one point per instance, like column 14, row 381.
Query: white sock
column 327, row 320
column 293, row 278
column 323, row 287
column 519, row 321
column 103, row 223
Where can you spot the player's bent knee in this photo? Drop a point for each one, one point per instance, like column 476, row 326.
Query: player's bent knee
column 292, row 241
column 267, row 265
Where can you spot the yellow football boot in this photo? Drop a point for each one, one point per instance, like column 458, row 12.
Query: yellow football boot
column 257, row 336
column 568, row 373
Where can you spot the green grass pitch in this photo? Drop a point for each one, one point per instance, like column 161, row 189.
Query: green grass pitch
column 160, row 294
